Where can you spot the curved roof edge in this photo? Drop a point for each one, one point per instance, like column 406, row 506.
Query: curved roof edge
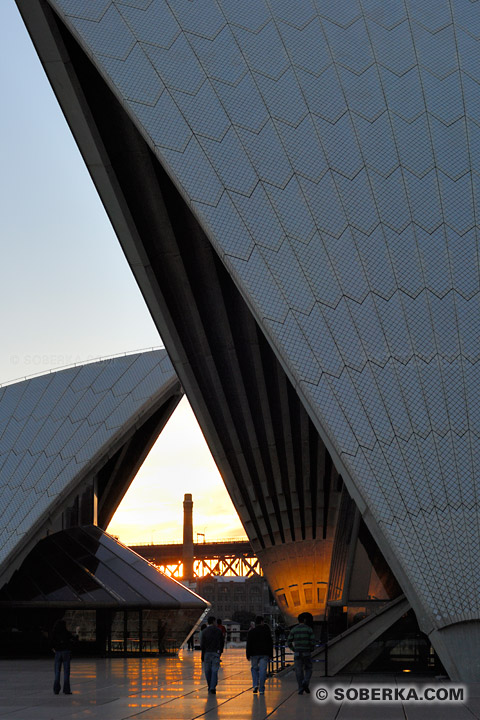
column 58, row 431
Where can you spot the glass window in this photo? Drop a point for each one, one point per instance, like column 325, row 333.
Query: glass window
column 295, row 596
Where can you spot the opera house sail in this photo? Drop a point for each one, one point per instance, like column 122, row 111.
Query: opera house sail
column 71, row 441
column 295, row 186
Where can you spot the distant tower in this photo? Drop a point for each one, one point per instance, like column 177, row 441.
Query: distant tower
column 187, row 537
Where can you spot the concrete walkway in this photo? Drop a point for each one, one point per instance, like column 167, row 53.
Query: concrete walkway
column 174, row 689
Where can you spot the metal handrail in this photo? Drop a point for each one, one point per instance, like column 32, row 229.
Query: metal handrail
column 80, row 363
column 282, row 653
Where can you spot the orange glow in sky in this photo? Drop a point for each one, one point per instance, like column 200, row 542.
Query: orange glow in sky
column 180, row 462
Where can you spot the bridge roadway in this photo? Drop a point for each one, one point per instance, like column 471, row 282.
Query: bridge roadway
column 171, row 553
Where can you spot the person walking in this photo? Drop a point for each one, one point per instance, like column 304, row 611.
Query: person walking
column 212, row 647
column 302, row 641
column 259, row 650
column 204, row 625
column 222, row 627
column 62, row 641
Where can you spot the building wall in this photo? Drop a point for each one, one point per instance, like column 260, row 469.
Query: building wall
column 230, row 596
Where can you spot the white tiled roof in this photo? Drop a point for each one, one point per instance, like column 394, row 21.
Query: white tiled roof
column 53, row 426
column 331, row 152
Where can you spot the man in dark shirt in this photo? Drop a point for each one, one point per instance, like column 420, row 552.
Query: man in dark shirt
column 62, row 641
column 212, row 648
column 259, row 650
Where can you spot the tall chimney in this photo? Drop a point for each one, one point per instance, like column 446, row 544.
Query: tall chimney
column 187, row 554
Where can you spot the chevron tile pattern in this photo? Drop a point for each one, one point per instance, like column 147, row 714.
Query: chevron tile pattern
column 53, row 426
column 331, row 151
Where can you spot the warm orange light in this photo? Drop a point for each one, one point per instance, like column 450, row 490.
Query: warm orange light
column 203, row 568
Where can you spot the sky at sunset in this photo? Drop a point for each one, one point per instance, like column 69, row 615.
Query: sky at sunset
column 177, row 466
column 68, row 296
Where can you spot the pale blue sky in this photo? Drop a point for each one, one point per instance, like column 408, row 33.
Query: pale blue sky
column 67, row 294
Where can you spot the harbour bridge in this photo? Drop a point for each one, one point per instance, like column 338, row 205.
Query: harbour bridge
column 228, row 557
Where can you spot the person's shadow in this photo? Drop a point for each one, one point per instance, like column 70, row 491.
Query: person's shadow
column 259, row 707
column 211, row 707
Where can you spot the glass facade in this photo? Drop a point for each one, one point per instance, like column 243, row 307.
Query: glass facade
column 113, row 600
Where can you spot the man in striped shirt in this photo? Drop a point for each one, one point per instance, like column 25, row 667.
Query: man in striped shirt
column 302, row 641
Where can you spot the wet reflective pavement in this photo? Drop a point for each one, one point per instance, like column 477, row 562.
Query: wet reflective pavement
column 174, row 688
